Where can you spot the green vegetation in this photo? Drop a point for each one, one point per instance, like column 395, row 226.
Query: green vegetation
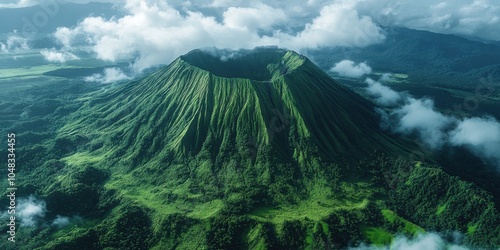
column 199, row 155
column 440, row 209
column 27, row 71
column 378, row 236
column 402, row 225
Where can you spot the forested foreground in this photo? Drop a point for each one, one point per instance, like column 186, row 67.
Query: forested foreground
column 371, row 202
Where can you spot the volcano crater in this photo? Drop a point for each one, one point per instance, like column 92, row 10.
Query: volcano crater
column 257, row 65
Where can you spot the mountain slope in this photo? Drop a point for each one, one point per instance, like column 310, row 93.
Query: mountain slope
column 190, row 106
column 232, row 131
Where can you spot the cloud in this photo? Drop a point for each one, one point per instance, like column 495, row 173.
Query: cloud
column 383, row 95
column 30, row 210
column 338, row 24
column 348, row 68
column 480, row 135
column 336, row 21
column 18, row 4
column 259, row 17
column 386, row 77
column 110, row 75
column 62, row 56
column 60, row 221
column 28, row 3
column 478, row 18
column 414, row 116
column 419, row 116
column 156, row 33
column 15, row 44
column 428, row 241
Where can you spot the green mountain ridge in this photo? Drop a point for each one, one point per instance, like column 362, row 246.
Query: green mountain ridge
column 259, row 150
column 196, row 104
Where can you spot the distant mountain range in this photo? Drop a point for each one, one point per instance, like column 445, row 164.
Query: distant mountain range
column 428, row 58
column 40, row 20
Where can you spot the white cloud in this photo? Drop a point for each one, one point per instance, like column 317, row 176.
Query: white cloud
column 419, row 116
column 427, row 241
column 383, row 95
column 62, row 56
column 60, row 221
column 481, row 135
column 156, row 33
column 478, row 18
column 348, row 68
column 18, row 4
column 110, row 75
column 65, row 36
column 224, row 3
column 338, row 24
column 385, row 77
column 259, row 17
column 30, row 210
column 14, row 44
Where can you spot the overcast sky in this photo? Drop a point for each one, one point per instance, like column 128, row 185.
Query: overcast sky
column 155, row 32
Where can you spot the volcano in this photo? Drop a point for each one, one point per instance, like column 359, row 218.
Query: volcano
column 255, row 149
column 267, row 97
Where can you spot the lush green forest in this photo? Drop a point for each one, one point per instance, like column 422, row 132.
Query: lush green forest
column 191, row 157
